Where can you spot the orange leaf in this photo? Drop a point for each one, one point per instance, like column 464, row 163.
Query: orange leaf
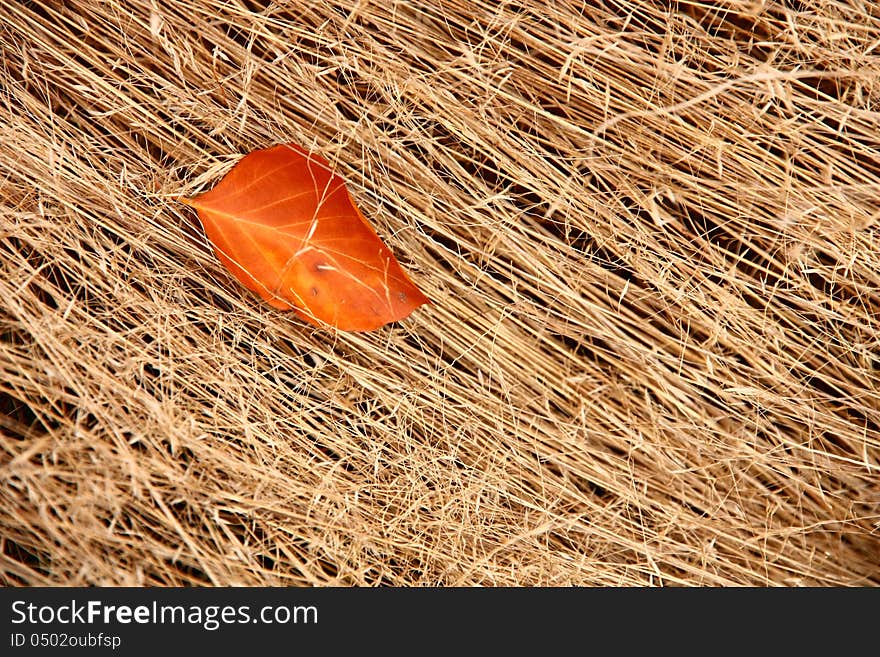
column 286, row 227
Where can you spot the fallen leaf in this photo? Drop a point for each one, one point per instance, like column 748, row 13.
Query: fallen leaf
column 284, row 225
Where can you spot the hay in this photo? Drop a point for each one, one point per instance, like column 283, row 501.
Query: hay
column 650, row 236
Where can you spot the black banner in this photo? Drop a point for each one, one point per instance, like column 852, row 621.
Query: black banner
column 136, row 620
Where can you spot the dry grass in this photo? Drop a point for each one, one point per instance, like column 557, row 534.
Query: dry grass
column 650, row 235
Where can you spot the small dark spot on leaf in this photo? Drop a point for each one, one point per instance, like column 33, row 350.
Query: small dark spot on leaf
column 314, row 291
column 401, row 296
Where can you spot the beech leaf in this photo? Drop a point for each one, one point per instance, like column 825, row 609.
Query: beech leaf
column 286, row 227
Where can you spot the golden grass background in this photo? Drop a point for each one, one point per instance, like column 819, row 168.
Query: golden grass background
column 649, row 231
